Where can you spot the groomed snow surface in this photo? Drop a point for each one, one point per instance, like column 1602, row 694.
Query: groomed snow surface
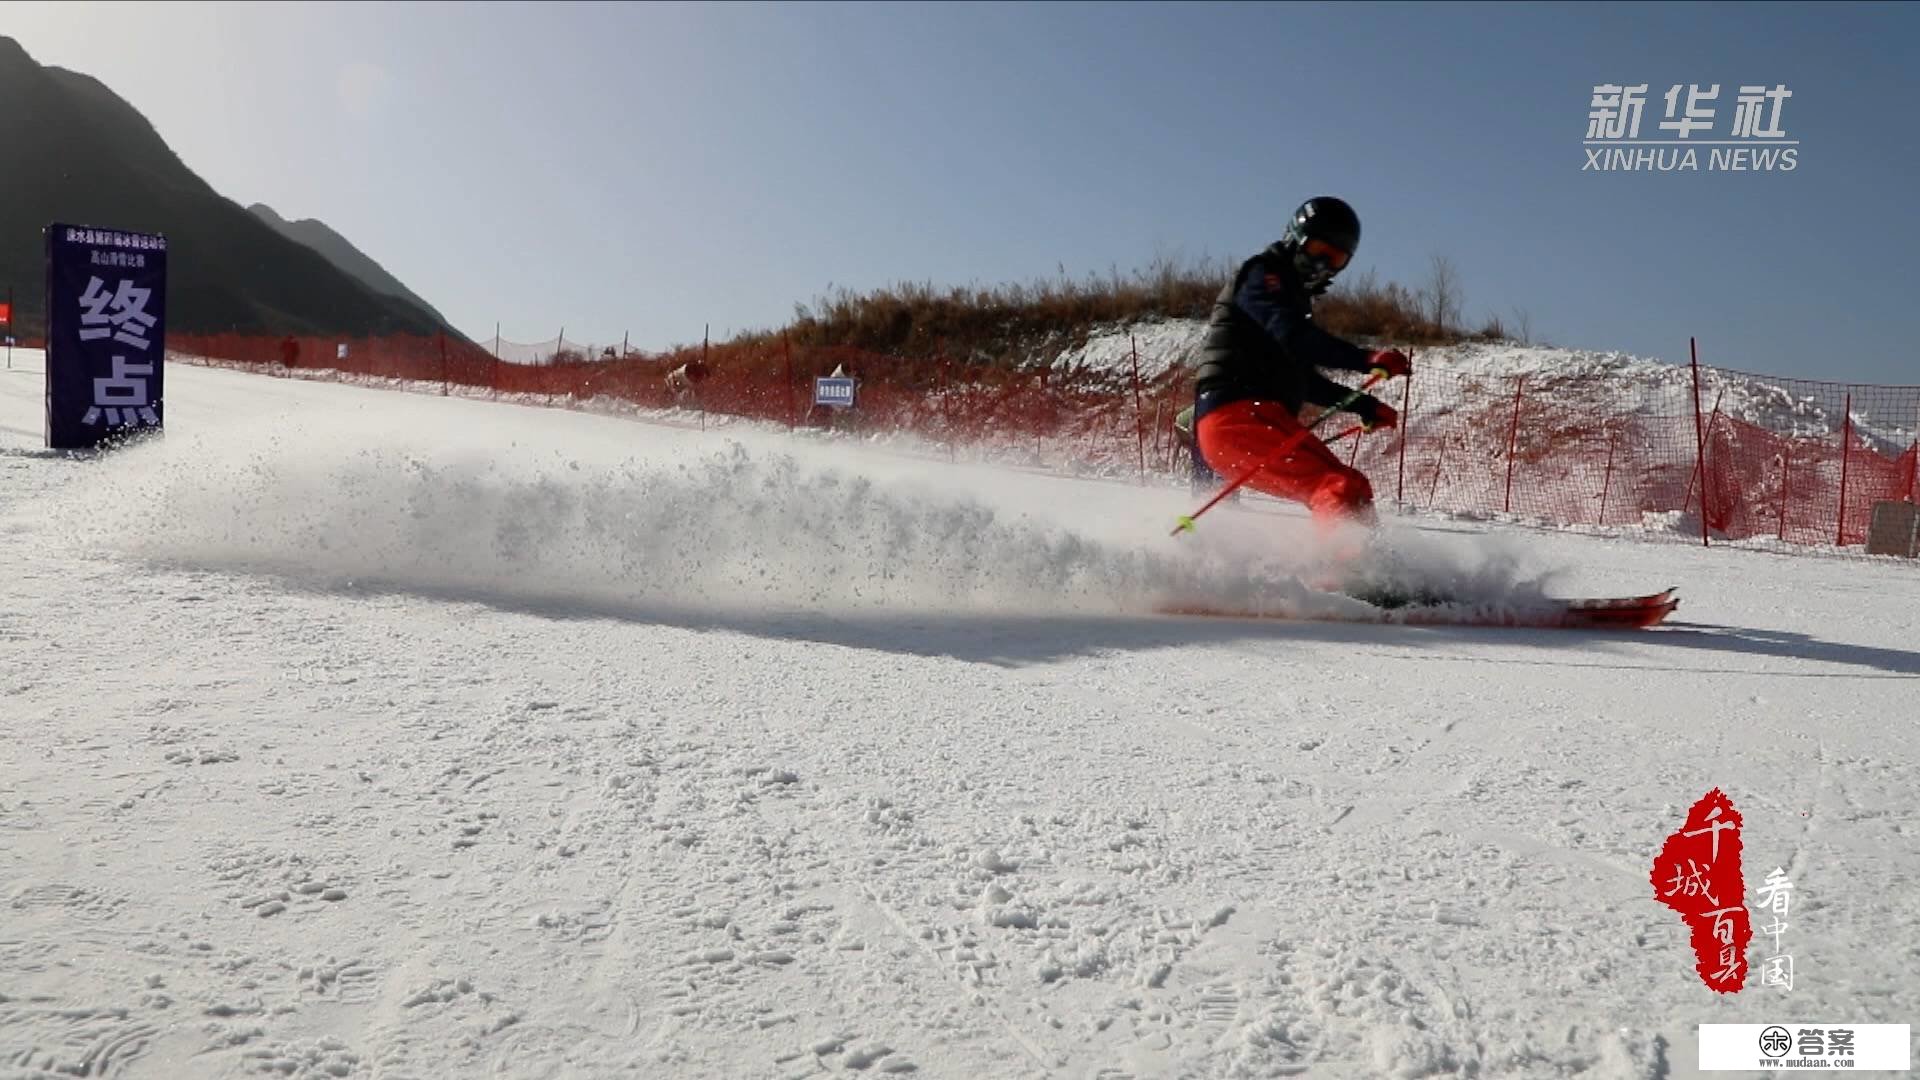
column 363, row 733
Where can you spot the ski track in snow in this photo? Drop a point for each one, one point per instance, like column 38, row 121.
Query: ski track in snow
column 362, row 734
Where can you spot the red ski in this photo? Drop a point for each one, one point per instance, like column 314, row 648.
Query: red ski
column 1619, row 613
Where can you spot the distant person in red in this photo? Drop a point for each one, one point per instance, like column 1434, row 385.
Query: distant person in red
column 290, row 351
column 1260, row 366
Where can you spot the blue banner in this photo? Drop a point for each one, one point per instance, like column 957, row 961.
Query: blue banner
column 837, row 392
column 106, row 334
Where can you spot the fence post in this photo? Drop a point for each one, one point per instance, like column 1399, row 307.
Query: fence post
column 786, row 346
column 946, row 402
column 1439, row 463
column 1513, row 440
column 443, row 363
column 1786, row 468
column 1913, row 477
column 1036, row 414
column 1406, row 421
column 1700, row 442
column 1846, row 453
column 1606, row 485
column 1913, row 474
column 1139, row 410
column 706, row 335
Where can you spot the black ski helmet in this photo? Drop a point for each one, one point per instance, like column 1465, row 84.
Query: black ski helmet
column 1326, row 219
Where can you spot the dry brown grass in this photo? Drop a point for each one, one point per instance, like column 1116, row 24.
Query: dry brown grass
column 1005, row 323
column 1014, row 324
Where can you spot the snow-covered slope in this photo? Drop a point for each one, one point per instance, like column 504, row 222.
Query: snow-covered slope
column 352, row 733
column 1598, row 384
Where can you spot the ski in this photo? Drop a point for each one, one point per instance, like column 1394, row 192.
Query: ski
column 1613, row 613
column 1609, row 613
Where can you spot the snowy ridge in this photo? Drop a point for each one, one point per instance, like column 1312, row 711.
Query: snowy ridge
column 1596, row 383
column 1162, row 346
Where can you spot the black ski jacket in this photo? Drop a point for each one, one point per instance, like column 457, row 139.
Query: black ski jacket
column 1262, row 342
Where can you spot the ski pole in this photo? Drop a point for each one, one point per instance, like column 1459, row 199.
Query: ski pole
column 1357, row 429
column 1185, row 523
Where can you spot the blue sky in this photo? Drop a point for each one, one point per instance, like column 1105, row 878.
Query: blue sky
column 655, row 168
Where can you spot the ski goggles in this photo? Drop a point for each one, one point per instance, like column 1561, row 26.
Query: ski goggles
column 1335, row 258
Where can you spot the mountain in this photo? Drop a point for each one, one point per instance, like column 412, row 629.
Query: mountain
column 76, row 152
column 342, row 254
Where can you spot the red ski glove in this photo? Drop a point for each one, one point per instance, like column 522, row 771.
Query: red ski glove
column 1392, row 361
column 1374, row 413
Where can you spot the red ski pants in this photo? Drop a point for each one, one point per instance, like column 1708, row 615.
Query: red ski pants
column 1243, row 434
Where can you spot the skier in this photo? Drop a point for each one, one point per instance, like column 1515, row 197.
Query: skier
column 1259, row 368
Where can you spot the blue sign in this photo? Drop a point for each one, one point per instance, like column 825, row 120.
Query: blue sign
column 837, row 392
column 106, row 334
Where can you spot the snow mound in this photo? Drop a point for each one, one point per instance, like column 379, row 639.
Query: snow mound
column 1597, row 383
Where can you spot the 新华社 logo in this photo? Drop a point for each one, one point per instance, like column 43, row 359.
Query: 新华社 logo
column 1689, row 137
